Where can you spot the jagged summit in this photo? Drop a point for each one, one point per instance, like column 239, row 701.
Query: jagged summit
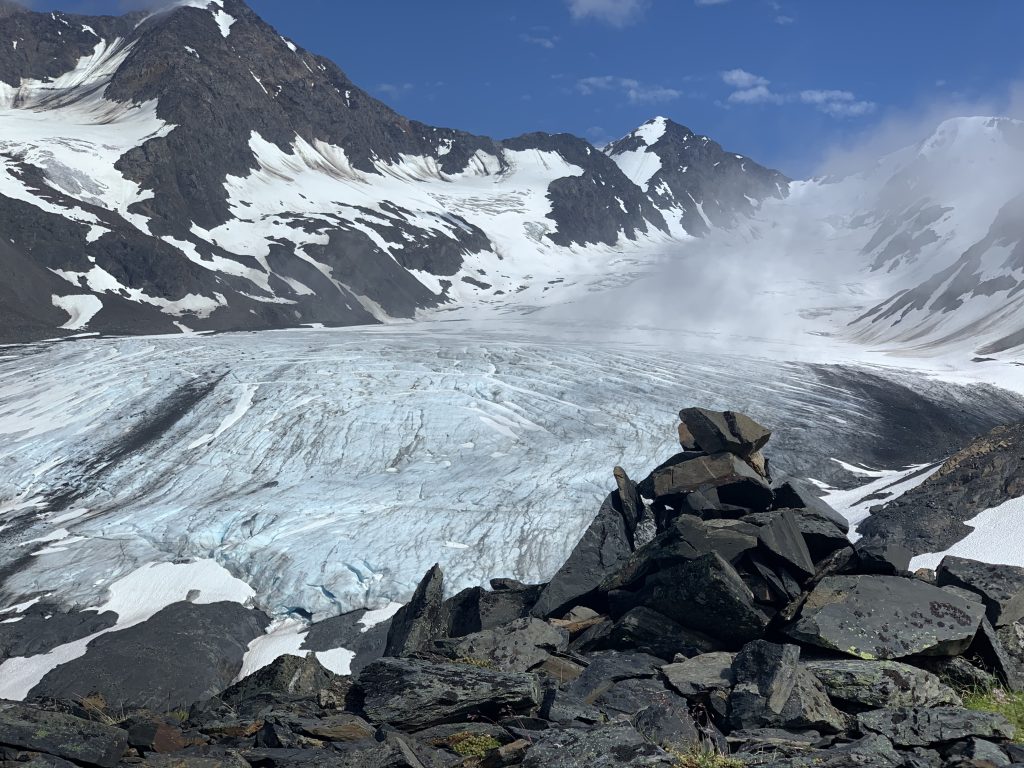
column 696, row 183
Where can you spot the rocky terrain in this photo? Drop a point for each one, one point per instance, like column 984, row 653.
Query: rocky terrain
column 713, row 615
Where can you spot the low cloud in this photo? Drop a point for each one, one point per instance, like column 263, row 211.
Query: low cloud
column 634, row 91
column 395, row 90
column 740, row 78
column 617, row 13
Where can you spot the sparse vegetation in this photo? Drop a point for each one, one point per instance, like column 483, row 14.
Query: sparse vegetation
column 1001, row 701
column 472, row 744
column 704, row 754
column 480, row 663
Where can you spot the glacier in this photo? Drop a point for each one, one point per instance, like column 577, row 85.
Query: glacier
column 328, row 469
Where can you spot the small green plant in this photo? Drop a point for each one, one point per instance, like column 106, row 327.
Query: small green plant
column 703, row 754
column 179, row 715
column 472, row 744
column 1001, row 701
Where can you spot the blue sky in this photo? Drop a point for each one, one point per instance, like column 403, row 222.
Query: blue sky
column 780, row 80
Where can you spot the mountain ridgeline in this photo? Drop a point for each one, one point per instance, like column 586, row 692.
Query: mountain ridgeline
column 193, row 170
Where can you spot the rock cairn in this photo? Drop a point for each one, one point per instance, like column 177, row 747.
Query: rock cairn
column 710, row 616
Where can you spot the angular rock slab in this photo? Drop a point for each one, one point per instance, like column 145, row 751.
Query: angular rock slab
column 886, row 617
column 715, row 432
column 411, row 695
column 737, row 482
column 422, row 619
column 64, row 736
column 708, row 595
column 612, row 746
column 921, row 727
column 1001, row 587
column 707, row 672
column 604, row 547
column 878, row 684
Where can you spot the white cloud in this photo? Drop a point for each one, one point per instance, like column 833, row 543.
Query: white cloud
column 542, row 41
column 740, row 78
column 635, row 91
column 617, row 13
column 837, row 103
column 749, row 88
column 710, row 2
column 783, row 20
column 759, row 94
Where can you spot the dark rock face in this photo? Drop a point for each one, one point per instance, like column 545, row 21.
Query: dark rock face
column 619, row 745
column 41, row 628
column 411, row 694
column 859, row 616
column 183, row 654
column 930, row 518
column 516, row 647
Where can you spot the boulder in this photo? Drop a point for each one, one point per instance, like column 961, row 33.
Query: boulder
column 647, row 631
column 670, row 726
column 922, row 727
column 475, row 608
column 877, row 684
column 886, row 617
column 821, row 535
column 627, row 697
column 735, row 482
column 602, row 550
column 606, row 668
column 783, row 538
column 773, row 690
column 686, row 539
column 792, row 493
column 639, row 520
column 515, row 647
column 888, row 558
column 706, row 594
column 411, row 694
column 289, row 677
column 728, row 431
column 979, row 752
column 421, row 620
column 707, row 672
column 611, row 746
column 872, row 751
column 1001, row 587
column 185, row 653
column 53, row 733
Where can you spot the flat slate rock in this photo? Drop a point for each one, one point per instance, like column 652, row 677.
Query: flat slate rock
column 722, row 471
column 1001, row 587
column 61, row 735
column 619, row 746
column 700, row 674
column 715, row 431
column 183, row 654
column 411, row 694
column 921, row 727
column 878, row 684
column 872, row 751
column 886, row 617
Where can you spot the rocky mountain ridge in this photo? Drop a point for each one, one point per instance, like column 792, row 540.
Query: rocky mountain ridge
column 711, row 615
column 192, row 169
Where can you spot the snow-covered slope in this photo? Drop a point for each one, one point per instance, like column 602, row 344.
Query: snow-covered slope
column 193, row 169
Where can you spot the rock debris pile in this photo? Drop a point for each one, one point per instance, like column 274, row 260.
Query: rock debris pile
column 710, row 616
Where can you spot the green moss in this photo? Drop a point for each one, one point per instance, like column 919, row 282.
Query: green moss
column 1001, row 701
column 703, row 755
column 472, row 745
column 481, row 663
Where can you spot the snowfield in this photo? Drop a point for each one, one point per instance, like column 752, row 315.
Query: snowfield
column 329, row 469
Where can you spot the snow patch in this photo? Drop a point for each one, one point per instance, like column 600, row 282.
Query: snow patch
column 81, row 309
